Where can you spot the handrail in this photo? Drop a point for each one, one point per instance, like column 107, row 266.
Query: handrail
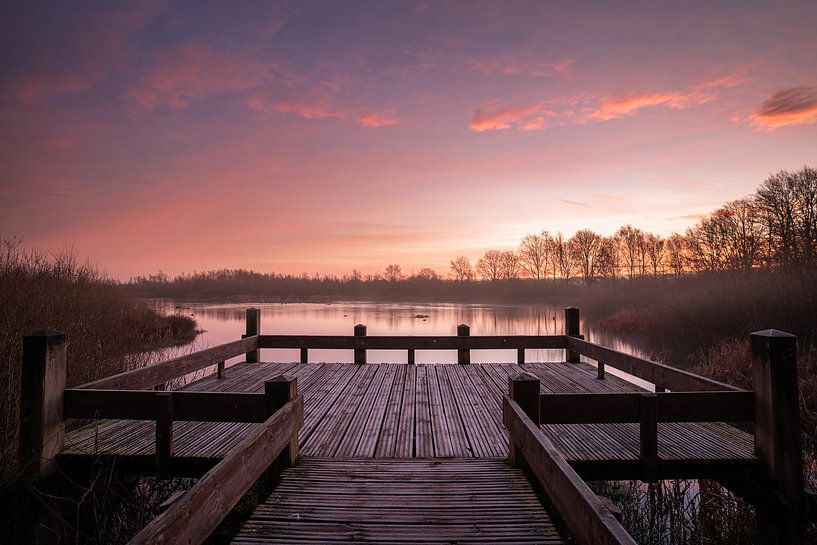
column 589, row 520
column 602, row 408
column 148, row 377
column 408, row 342
column 657, row 373
column 198, row 512
column 149, row 404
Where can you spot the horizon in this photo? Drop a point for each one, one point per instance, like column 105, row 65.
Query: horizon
column 323, row 137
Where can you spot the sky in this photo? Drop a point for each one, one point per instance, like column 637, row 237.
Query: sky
column 319, row 137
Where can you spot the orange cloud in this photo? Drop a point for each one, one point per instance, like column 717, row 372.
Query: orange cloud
column 795, row 106
column 180, row 76
column 613, row 108
column 381, row 119
column 529, row 117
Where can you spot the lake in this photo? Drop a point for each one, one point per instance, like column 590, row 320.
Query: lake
column 224, row 322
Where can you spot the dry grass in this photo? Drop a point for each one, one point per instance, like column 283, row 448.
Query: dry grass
column 107, row 330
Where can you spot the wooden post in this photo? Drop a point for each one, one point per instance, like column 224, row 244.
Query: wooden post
column 524, row 389
column 279, row 391
column 411, row 356
column 360, row 353
column 253, row 328
column 600, row 370
column 304, row 355
column 463, row 354
column 42, row 381
column 649, row 436
column 572, row 330
column 220, row 370
column 164, row 432
column 520, row 356
column 777, row 432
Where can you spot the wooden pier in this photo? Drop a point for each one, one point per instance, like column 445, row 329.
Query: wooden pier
column 387, row 453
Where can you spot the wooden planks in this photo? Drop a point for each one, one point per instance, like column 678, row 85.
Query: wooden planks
column 423, row 411
column 400, row 501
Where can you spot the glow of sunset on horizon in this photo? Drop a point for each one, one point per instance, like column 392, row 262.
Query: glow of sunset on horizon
column 319, row 137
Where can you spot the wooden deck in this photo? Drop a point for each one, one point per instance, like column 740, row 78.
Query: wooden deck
column 420, row 411
column 400, row 501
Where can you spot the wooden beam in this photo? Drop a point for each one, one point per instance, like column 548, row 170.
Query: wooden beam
column 572, row 330
column 588, row 520
column 409, row 342
column 42, row 382
column 194, row 516
column 360, row 353
column 523, row 388
column 672, row 378
column 147, row 405
column 584, row 408
column 148, row 377
column 648, row 434
column 777, row 431
column 164, row 431
column 463, row 354
column 304, row 355
column 411, row 356
column 253, row 325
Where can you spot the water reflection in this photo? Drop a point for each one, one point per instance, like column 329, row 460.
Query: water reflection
column 224, row 322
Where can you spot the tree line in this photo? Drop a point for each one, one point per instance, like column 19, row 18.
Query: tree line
column 776, row 226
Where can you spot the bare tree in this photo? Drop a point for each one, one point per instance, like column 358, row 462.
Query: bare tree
column 584, row 246
column 427, row 273
column 630, row 241
column 461, row 269
column 655, row 252
column 561, row 258
column 511, row 265
column 675, row 257
column 393, row 273
column 534, row 252
column 489, row 265
column 607, row 258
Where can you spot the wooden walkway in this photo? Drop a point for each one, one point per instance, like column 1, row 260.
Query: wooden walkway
column 400, row 501
column 419, row 411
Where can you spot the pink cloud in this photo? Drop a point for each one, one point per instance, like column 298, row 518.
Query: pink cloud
column 274, row 102
column 379, row 119
column 527, row 117
column 795, row 106
column 180, row 76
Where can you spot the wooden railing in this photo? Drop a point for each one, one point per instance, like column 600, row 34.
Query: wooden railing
column 167, row 407
column 273, row 446
column 586, row 516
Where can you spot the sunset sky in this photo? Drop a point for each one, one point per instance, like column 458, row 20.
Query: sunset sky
column 325, row 136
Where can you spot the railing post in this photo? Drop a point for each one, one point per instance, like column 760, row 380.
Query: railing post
column 360, row 353
column 520, row 356
column 523, row 388
column 572, row 330
column 42, row 381
column 600, row 370
column 304, row 355
column 279, row 391
column 220, row 370
column 649, row 436
column 253, row 329
column 411, row 356
column 164, row 432
column 777, row 431
column 463, row 354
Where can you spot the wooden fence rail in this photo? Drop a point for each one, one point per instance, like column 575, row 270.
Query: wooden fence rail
column 588, row 519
